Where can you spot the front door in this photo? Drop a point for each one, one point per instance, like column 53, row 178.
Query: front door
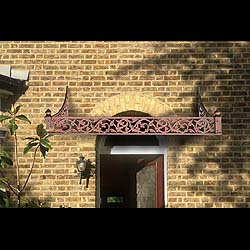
column 149, row 184
column 130, row 181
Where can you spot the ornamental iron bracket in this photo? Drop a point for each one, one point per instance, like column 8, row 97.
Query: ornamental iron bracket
column 204, row 124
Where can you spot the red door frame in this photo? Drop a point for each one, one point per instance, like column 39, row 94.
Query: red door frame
column 159, row 161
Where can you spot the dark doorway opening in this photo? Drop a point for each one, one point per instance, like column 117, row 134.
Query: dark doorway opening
column 131, row 181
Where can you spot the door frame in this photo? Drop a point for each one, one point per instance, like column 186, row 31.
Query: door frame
column 101, row 149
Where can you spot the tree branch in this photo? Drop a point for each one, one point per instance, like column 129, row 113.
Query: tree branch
column 17, row 165
column 13, row 189
column 33, row 163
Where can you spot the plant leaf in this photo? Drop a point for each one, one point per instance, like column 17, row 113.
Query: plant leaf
column 3, row 200
column 45, row 143
column 23, row 118
column 30, row 138
column 4, row 153
column 7, row 161
column 3, row 179
column 17, row 109
column 34, row 141
column 44, row 151
column 12, row 110
column 48, row 135
column 12, row 127
column 4, row 117
column 27, row 148
column 41, row 132
column 7, row 203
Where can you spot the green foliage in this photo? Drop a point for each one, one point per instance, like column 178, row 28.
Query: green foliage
column 23, row 118
column 12, row 119
column 14, row 110
column 12, row 126
column 41, row 132
column 4, row 199
column 41, row 141
column 5, row 159
column 4, row 117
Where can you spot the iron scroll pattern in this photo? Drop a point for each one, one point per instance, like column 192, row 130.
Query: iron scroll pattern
column 205, row 124
column 134, row 125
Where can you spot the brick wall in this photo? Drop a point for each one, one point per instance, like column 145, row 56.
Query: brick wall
column 112, row 77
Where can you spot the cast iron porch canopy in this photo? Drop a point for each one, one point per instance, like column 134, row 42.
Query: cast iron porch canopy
column 203, row 124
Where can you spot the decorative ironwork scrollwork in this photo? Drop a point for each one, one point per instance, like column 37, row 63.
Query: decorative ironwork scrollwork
column 204, row 124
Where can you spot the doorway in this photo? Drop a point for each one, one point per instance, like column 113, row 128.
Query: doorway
column 131, row 181
column 131, row 172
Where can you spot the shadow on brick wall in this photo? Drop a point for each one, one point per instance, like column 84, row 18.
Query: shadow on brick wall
column 221, row 72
